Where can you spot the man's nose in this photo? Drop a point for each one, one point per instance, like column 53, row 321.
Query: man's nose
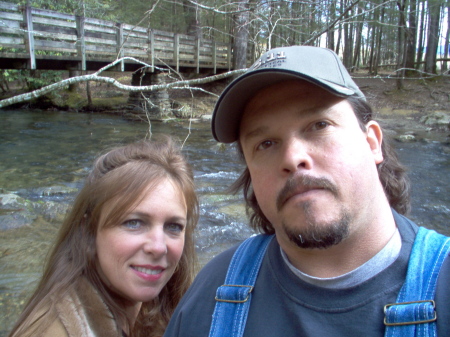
column 295, row 156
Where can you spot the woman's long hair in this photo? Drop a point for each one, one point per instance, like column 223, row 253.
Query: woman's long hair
column 391, row 172
column 121, row 177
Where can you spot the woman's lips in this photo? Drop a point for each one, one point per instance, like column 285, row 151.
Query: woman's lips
column 147, row 273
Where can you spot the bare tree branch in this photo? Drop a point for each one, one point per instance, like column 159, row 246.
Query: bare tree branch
column 184, row 84
column 332, row 24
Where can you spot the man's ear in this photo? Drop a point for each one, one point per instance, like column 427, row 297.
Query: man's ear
column 375, row 139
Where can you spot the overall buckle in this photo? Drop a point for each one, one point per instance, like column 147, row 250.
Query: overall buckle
column 232, row 293
column 425, row 318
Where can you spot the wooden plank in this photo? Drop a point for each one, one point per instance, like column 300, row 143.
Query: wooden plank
column 99, row 22
column 52, row 22
column 52, row 14
column 11, row 31
column 100, row 36
column 188, row 49
column 135, row 28
column 100, row 25
column 57, row 46
column 130, row 41
column 135, row 35
column 99, row 41
column 162, row 33
column 164, row 37
column 13, row 42
column 95, row 48
column 39, row 29
column 136, row 53
column 44, row 34
column 101, row 29
column 9, row 6
column 11, row 16
column 166, row 45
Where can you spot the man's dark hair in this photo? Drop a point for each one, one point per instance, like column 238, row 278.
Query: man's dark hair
column 391, row 172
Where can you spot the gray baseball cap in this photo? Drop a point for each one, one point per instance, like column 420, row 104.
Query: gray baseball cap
column 319, row 66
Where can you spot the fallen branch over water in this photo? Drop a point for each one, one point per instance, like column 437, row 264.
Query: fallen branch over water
column 95, row 77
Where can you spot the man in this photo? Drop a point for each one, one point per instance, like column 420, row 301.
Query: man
column 321, row 178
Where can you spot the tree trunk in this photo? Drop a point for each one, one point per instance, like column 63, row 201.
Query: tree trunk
column 447, row 42
column 88, row 93
column 372, row 50
column 434, row 9
column 331, row 31
column 192, row 18
column 411, row 37
column 401, row 32
column 73, row 73
column 379, row 40
column 358, row 39
column 421, row 36
column 241, row 36
column 348, row 43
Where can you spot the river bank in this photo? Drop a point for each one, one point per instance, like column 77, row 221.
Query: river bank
column 407, row 107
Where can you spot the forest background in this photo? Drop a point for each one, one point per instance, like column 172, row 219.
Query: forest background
column 402, row 38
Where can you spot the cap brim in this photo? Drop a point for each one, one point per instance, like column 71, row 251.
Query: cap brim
column 228, row 110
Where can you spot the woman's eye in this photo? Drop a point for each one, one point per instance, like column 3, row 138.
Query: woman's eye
column 264, row 145
column 133, row 224
column 175, row 227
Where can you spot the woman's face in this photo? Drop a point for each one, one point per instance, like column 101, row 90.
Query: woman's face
column 137, row 257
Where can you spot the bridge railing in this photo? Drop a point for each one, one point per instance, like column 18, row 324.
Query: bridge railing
column 43, row 34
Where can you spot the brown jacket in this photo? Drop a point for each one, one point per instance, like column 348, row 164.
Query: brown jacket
column 82, row 313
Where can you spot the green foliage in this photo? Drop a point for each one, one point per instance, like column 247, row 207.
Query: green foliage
column 38, row 79
column 101, row 9
column 29, row 79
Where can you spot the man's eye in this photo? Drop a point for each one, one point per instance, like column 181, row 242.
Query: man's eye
column 174, row 227
column 265, row 145
column 133, row 224
column 320, row 125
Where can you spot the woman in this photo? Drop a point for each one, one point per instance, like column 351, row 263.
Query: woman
column 125, row 253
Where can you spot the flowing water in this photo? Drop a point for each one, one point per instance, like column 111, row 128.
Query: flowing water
column 42, row 152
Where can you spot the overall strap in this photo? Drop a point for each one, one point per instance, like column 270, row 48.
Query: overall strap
column 233, row 298
column 414, row 313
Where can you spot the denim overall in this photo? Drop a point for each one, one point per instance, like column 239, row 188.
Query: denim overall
column 413, row 315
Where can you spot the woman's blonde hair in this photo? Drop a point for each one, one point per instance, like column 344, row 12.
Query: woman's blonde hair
column 120, row 177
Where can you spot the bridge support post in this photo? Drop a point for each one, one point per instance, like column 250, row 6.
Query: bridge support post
column 151, row 50
column 176, row 51
column 81, row 43
column 29, row 36
column 197, row 54
column 214, row 52
column 119, row 46
column 152, row 104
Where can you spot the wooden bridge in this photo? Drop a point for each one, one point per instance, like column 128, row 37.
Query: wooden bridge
column 32, row 38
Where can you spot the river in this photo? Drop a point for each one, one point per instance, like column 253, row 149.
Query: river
column 41, row 152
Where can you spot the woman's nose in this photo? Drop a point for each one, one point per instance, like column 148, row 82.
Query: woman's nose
column 155, row 242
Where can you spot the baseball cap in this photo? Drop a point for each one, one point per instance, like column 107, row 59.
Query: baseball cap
column 319, row 66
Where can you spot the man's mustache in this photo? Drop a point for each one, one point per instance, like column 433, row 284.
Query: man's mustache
column 298, row 184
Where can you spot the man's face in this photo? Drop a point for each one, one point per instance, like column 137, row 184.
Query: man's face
column 313, row 169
